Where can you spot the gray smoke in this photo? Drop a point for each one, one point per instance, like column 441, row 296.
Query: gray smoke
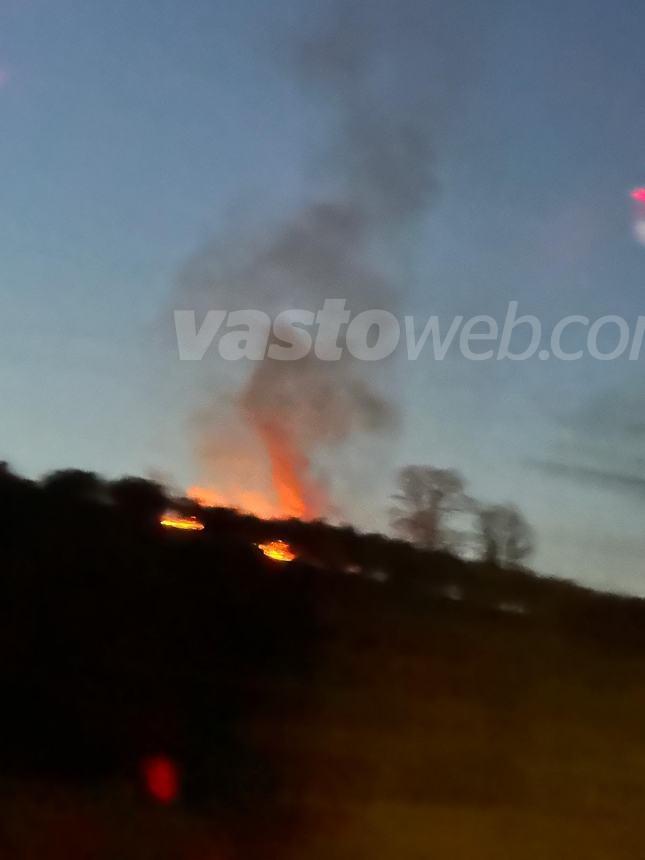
column 367, row 68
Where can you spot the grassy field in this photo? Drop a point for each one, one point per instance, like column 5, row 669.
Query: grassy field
column 446, row 734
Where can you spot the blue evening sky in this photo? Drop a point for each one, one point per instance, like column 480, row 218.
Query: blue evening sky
column 130, row 133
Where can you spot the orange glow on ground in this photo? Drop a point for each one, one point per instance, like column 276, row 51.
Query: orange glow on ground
column 278, row 550
column 171, row 520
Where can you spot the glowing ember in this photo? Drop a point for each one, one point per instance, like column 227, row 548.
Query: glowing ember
column 172, row 520
column 638, row 194
column 278, row 550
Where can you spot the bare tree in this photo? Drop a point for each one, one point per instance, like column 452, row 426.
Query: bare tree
column 428, row 497
column 506, row 536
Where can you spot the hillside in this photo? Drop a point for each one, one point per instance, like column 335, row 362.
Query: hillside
column 365, row 700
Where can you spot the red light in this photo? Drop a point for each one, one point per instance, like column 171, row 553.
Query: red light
column 161, row 778
column 638, row 194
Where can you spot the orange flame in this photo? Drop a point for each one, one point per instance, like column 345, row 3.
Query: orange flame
column 171, row 520
column 278, row 550
column 287, row 471
column 245, row 501
column 272, row 480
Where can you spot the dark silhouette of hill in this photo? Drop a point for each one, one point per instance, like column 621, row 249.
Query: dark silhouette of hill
column 267, row 682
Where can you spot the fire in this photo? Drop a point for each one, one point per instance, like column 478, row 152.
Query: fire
column 275, row 481
column 171, row 520
column 245, row 501
column 278, row 550
column 275, row 410
column 289, row 469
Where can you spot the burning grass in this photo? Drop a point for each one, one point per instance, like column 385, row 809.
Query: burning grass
column 172, row 520
column 278, row 550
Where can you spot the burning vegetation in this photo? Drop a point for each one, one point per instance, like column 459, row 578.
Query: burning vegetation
column 279, row 431
column 195, row 652
column 278, row 550
column 173, row 520
column 245, row 501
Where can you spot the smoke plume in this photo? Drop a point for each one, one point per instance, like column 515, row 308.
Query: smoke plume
column 372, row 180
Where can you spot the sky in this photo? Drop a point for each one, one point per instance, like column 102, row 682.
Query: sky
column 132, row 133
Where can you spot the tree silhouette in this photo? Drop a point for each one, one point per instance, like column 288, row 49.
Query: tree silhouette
column 506, row 537
column 428, row 497
column 74, row 484
column 142, row 501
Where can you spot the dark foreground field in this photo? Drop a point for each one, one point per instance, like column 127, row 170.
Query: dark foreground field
column 451, row 711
